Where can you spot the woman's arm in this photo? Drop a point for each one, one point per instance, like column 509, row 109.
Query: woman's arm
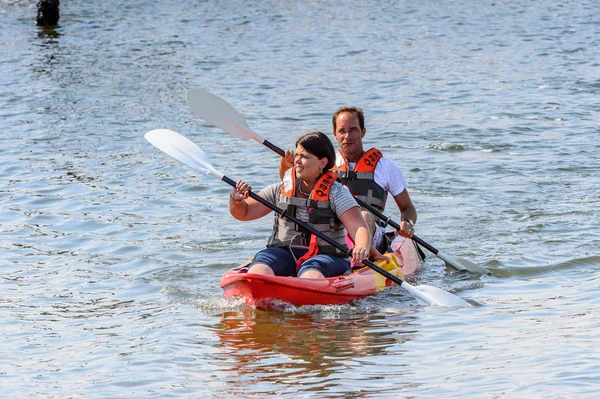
column 359, row 233
column 245, row 208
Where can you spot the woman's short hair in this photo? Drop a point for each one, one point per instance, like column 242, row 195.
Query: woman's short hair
column 319, row 145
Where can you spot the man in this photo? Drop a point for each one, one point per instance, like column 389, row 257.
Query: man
column 368, row 175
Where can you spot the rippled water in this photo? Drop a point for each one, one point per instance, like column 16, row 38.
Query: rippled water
column 111, row 252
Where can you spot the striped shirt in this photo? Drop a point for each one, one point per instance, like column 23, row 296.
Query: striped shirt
column 339, row 197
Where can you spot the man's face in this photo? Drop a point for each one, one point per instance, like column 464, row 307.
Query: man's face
column 348, row 134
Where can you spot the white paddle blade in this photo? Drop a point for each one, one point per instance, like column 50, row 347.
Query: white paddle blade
column 435, row 296
column 182, row 149
column 218, row 112
column 461, row 264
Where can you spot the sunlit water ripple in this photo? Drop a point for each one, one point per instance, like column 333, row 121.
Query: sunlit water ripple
column 112, row 252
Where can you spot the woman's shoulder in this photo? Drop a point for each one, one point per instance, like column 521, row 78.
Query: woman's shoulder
column 272, row 190
column 341, row 199
column 338, row 189
column 337, row 185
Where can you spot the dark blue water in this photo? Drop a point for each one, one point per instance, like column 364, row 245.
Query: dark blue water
column 111, row 252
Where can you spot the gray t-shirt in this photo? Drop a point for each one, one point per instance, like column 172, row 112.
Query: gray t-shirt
column 340, row 198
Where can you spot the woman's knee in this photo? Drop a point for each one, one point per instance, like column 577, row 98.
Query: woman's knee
column 260, row 268
column 311, row 273
column 273, row 261
column 325, row 266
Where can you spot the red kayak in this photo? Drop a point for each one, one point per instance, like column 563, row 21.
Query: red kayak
column 260, row 290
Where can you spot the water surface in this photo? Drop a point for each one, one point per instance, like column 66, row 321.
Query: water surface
column 111, row 252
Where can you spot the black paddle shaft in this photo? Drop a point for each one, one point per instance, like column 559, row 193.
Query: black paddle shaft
column 395, row 225
column 273, row 147
column 322, row 236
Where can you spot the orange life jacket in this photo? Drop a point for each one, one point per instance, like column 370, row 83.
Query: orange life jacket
column 287, row 234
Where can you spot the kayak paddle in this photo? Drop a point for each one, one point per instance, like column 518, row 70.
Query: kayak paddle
column 184, row 150
column 453, row 261
column 221, row 114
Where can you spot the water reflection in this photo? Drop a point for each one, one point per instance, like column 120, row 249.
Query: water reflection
column 48, row 32
column 284, row 348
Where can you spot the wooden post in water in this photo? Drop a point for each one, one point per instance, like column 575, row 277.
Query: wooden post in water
column 47, row 13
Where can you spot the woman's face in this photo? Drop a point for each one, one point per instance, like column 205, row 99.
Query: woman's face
column 307, row 166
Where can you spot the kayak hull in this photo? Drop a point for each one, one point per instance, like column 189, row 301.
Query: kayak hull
column 262, row 291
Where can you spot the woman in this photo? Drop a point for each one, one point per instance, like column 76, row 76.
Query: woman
column 310, row 193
